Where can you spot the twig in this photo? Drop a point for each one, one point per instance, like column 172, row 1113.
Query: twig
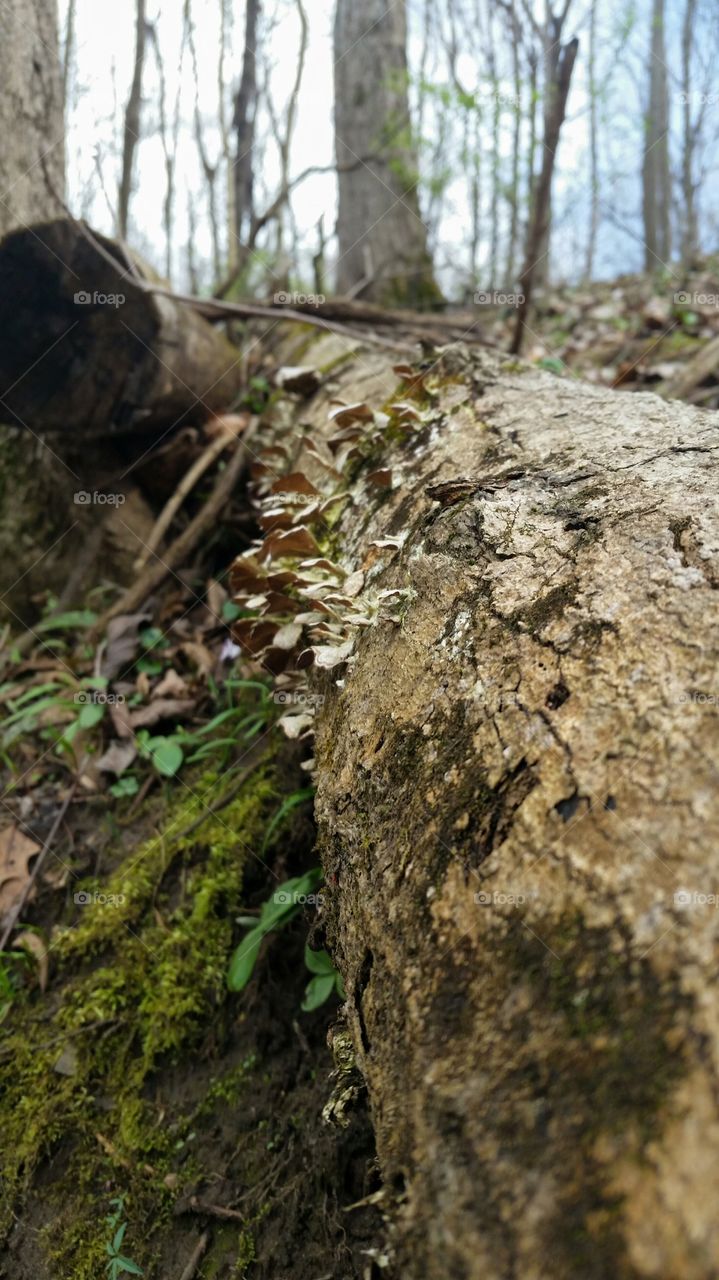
column 195, row 1205
column 187, row 484
column 186, row 542
column 16, row 910
column 197, row 1255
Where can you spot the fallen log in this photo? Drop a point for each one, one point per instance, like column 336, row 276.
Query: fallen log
column 704, row 364
column 517, row 801
column 87, row 349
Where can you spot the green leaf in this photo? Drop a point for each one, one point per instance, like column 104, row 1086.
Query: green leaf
column 91, row 714
column 128, row 786
column 244, row 960
column 230, row 611
column 129, row 1267
column 167, row 756
column 318, row 961
column 77, row 619
column 290, row 803
column 551, row 364
column 150, row 637
column 318, row 990
column 119, row 1236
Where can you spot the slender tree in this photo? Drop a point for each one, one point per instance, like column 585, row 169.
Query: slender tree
column 656, row 175
column 132, row 125
column 244, row 126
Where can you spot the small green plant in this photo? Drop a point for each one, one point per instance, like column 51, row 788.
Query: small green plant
column 326, row 980
column 10, row 962
column 119, row 1265
column 285, row 903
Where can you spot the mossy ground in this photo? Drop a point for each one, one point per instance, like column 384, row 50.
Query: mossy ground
column 139, row 1075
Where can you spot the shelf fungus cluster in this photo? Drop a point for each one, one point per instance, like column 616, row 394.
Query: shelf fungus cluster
column 302, row 610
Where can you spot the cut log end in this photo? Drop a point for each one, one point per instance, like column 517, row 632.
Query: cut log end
column 87, row 350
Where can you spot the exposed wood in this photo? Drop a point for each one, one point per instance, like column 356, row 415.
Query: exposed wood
column 704, row 364
column 73, row 361
column 517, row 809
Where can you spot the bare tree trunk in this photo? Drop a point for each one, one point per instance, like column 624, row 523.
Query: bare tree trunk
column 593, row 146
column 382, row 239
column 209, row 169
column 656, row 177
column 689, row 186
column 283, row 131
column 169, row 134
column 133, row 113
column 68, row 50
column 517, row 804
column 244, row 126
column 539, row 225
column 32, row 155
column 496, row 152
column 513, row 193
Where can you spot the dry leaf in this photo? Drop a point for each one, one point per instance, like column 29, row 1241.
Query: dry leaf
column 162, row 709
column 199, row 655
column 33, row 943
column 16, row 851
column 118, row 757
column 123, row 642
column 170, row 686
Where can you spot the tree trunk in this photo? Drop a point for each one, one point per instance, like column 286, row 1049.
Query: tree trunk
column 105, row 356
column 656, row 175
column 32, row 157
column 382, row 240
column 538, row 231
column 690, row 237
column 517, row 804
column 244, row 126
column 133, row 113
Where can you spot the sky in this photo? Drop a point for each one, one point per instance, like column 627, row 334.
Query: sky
column 100, row 82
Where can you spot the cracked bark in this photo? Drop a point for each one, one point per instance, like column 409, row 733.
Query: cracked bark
column 513, row 785
column 32, row 162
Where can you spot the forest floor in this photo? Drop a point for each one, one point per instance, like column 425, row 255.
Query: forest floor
column 154, row 1121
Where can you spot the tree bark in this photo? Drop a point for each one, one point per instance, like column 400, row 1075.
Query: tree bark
column 656, row 174
column 517, row 805
column 244, row 126
column 538, row 231
column 382, row 239
column 88, row 352
column 32, row 157
column 133, row 113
